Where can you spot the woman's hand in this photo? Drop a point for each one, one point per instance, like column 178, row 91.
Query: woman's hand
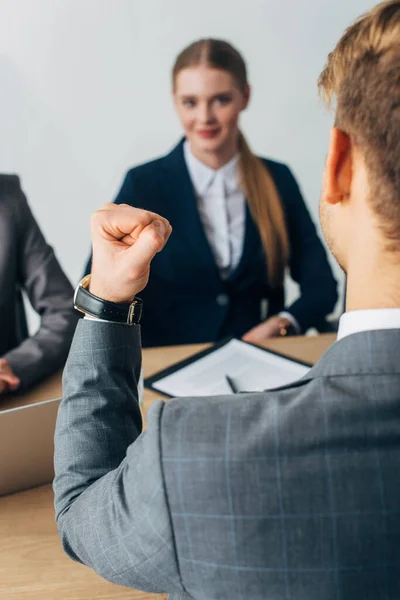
column 8, row 381
column 263, row 331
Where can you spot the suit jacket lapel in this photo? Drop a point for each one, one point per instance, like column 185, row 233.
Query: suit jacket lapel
column 182, row 207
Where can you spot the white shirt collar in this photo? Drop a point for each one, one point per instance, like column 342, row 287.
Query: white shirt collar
column 202, row 175
column 356, row 321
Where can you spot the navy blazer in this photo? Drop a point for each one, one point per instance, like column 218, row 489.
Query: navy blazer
column 186, row 300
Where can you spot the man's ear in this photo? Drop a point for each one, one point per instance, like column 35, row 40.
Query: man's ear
column 339, row 167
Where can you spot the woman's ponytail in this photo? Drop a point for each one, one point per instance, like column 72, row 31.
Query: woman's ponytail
column 266, row 209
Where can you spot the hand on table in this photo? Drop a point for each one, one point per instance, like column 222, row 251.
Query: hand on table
column 125, row 240
column 8, row 381
column 263, row 331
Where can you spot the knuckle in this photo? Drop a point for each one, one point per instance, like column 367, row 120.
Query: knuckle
column 141, row 216
column 154, row 236
column 146, row 215
column 154, row 240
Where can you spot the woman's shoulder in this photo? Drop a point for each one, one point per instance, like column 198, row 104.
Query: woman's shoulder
column 146, row 169
column 285, row 181
column 152, row 169
column 147, row 181
column 281, row 174
column 276, row 167
column 140, row 181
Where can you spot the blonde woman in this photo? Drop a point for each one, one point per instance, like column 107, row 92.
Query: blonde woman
column 238, row 221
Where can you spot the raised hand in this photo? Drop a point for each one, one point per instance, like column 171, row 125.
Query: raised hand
column 125, row 240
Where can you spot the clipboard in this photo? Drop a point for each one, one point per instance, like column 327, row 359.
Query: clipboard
column 251, row 367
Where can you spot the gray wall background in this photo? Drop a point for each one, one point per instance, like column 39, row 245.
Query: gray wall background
column 85, row 94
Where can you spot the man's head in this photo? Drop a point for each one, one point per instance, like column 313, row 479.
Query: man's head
column 360, row 202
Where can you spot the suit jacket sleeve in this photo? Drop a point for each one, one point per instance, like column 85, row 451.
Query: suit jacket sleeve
column 309, row 266
column 110, row 503
column 50, row 294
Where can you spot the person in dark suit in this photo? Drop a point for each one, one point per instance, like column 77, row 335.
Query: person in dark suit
column 238, row 220
column 288, row 493
column 28, row 263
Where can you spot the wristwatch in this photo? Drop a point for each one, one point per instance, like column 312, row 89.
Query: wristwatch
column 118, row 312
column 286, row 327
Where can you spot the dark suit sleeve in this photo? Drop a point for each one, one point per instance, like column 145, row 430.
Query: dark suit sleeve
column 50, row 294
column 110, row 503
column 126, row 195
column 309, row 266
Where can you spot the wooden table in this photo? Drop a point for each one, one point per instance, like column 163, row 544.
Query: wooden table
column 32, row 564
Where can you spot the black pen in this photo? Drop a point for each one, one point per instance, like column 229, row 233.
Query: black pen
column 232, row 384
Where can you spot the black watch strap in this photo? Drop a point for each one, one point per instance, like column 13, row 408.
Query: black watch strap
column 87, row 303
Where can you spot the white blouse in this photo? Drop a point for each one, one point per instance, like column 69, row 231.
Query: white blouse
column 222, row 209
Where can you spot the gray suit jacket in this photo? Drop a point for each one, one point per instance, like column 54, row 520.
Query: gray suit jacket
column 28, row 263
column 288, row 494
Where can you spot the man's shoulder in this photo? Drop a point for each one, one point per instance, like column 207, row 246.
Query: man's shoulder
column 333, row 390
column 199, row 427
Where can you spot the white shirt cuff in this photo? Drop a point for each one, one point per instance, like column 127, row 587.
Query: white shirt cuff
column 90, row 318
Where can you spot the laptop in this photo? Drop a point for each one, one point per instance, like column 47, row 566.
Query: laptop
column 27, row 445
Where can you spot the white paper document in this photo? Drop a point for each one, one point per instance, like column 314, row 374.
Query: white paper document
column 250, row 369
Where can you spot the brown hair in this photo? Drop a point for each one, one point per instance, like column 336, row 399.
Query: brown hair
column 363, row 75
column 257, row 183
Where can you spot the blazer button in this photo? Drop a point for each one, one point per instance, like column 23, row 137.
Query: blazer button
column 222, row 299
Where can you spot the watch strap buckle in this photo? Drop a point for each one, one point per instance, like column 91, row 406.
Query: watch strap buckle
column 135, row 307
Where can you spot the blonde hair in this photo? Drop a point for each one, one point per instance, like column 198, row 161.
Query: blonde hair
column 362, row 75
column 255, row 179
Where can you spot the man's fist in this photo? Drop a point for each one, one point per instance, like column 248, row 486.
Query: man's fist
column 125, row 240
column 8, row 381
